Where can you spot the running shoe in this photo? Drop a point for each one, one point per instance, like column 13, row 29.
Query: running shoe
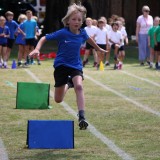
column 83, row 124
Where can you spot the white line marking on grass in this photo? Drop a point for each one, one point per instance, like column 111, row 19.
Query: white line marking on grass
column 143, row 79
column 91, row 128
column 144, row 107
column 3, row 152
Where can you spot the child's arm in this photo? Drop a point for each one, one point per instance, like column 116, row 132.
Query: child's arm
column 38, row 47
column 137, row 31
column 92, row 43
column 126, row 40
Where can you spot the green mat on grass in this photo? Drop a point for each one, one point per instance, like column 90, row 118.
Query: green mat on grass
column 32, row 95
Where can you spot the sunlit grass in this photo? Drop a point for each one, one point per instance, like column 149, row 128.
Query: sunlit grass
column 131, row 128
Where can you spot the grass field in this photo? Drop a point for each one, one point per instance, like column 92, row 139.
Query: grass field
column 123, row 106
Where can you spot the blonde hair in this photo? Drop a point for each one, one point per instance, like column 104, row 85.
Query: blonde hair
column 22, row 17
column 88, row 19
column 9, row 13
column 74, row 8
column 2, row 18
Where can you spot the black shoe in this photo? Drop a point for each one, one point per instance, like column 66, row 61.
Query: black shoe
column 142, row 64
column 148, row 62
column 107, row 64
column 115, row 67
column 156, row 65
column 19, row 63
column 83, row 124
column 70, row 83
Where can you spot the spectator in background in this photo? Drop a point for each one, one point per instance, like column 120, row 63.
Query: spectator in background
column 13, row 26
column 144, row 23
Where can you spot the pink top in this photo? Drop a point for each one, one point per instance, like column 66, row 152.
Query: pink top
column 145, row 23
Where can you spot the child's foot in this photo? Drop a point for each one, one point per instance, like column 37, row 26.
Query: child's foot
column 19, row 63
column 115, row 67
column 6, row 67
column 83, row 124
column 38, row 62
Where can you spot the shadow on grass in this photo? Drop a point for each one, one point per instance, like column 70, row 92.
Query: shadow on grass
column 54, row 154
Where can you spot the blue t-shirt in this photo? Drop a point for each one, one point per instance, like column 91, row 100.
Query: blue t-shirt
column 30, row 28
column 68, row 47
column 20, row 39
column 13, row 25
column 6, row 31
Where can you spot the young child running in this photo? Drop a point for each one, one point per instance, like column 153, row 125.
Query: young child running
column 4, row 34
column 68, row 62
column 151, row 42
column 115, row 38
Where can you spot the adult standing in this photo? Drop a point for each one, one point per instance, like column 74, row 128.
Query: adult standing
column 144, row 23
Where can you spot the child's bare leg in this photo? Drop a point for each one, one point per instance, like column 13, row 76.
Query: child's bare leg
column 4, row 55
column 86, row 55
column 59, row 93
column 95, row 57
column 77, row 81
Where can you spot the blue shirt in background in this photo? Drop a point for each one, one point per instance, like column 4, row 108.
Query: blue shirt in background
column 6, row 31
column 30, row 28
column 20, row 39
column 13, row 25
column 69, row 44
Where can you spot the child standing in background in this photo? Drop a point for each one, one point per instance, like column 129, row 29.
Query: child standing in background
column 30, row 30
column 20, row 39
column 13, row 26
column 101, row 40
column 157, row 46
column 121, row 54
column 4, row 34
column 91, row 31
column 115, row 38
column 68, row 61
column 151, row 42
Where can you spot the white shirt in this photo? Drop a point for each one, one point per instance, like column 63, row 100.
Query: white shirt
column 124, row 34
column 91, row 31
column 116, row 37
column 145, row 23
column 101, row 36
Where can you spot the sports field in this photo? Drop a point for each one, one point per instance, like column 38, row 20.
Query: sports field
column 122, row 108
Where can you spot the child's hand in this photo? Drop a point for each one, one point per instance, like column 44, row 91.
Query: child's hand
column 34, row 52
column 103, row 51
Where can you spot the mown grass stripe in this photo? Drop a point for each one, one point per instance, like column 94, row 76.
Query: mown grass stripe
column 144, row 107
column 3, row 152
column 142, row 79
column 121, row 153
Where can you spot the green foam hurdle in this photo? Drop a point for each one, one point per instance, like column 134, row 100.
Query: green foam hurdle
column 32, row 95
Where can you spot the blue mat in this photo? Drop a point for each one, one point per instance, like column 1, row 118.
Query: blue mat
column 50, row 134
